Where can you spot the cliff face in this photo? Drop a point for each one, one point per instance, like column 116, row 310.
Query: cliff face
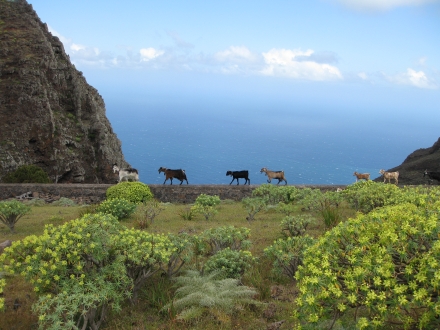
column 412, row 169
column 49, row 115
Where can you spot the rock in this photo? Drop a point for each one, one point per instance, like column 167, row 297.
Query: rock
column 275, row 325
column 50, row 116
column 412, row 169
column 4, row 245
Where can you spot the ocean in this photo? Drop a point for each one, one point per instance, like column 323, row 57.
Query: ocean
column 311, row 147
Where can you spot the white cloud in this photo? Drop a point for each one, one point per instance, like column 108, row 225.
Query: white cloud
column 294, row 64
column 382, row 5
column 421, row 61
column 413, row 78
column 147, row 54
column 234, row 54
column 362, row 75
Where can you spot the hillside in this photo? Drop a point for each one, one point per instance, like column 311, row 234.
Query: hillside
column 412, row 168
column 49, row 115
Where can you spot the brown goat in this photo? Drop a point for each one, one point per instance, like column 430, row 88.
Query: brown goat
column 360, row 176
column 274, row 175
column 174, row 174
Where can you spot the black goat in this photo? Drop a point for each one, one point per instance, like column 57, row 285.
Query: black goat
column 176, row 174
column 239, row 175
column 432, row 176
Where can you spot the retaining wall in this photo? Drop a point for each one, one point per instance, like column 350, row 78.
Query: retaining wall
column 164, row 193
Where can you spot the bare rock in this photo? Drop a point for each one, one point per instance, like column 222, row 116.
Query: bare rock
column 50, row 116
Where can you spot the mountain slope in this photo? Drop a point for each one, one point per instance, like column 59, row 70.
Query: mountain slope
column 49, row 115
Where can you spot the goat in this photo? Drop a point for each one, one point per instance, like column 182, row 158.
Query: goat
column 390, row 175
column 174, row 174
column 239, row 175
column 432, row 176
column 360, row 176
column 126, row 174
column 274, row 175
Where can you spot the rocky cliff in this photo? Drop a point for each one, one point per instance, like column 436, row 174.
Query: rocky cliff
column 411, row 170
column 49, row 115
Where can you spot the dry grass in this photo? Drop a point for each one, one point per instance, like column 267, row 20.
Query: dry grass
column 276, row 292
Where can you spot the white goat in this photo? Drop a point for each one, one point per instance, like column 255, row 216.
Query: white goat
column 125, row 174
column 390, row 175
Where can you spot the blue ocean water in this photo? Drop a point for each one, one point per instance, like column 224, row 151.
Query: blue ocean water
column 311, row 147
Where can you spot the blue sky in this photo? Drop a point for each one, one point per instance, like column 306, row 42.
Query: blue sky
column 356, row 62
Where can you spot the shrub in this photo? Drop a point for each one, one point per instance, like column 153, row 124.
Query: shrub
column 226, row 237
column 35, row 202
column 287, row 254
column 365, row 196
column 183, row 253
column 85, row 268
column 206, row 205
column 146, row 213
column 27, row 174
column 295, row 225
column 231, row 263
column 63, row 201
column 74, row 270
column 134, row 192
column 272, row 194
column 379, row 269
column 253, row 205
column 199, row 294
column 120, row 208
column 2, row 300
column 142, row 254
column 11, row 212
column 326, row 204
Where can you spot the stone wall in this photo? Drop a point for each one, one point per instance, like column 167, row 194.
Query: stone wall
column 93, row 193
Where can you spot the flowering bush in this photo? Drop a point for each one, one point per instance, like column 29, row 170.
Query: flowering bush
column 134, row 192
column 85, row 267
column 74, row 270
column 118, row 207
column 206, row 205
column 226, row 237
column 231, row 263
column 295, row 225
column 11, row 212
column 2, row 301
column 182, row 253
column 287, row 254
column 142, row 254
column 253, row 205
column 381, row 268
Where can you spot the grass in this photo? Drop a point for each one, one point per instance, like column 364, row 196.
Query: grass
column 277, row 292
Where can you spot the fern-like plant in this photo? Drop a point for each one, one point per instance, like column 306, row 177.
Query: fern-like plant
column 198, row 294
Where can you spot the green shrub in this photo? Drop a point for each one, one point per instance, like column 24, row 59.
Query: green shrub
column 73, row 270
column 365, row 196
column 326, row 205
column 134, row 192
column 288, row 254
column 253, row 205
column 11, row 212
column 27, row 174
column 63, row 201
column 118, row 207
column 379, row 270
column 206, row 205
column 273, row 194
column 35, row 202
column 85, row 268
column 2, row 300
column 231, row 263
column 183, row 252
column 295, row 225
column 147, row 212
column 226, row 237
column 198, row 295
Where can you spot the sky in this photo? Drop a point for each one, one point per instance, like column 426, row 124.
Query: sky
column 361, row 63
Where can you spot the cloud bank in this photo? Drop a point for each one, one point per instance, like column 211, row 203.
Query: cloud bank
column 382, row 5
column 286, row 63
